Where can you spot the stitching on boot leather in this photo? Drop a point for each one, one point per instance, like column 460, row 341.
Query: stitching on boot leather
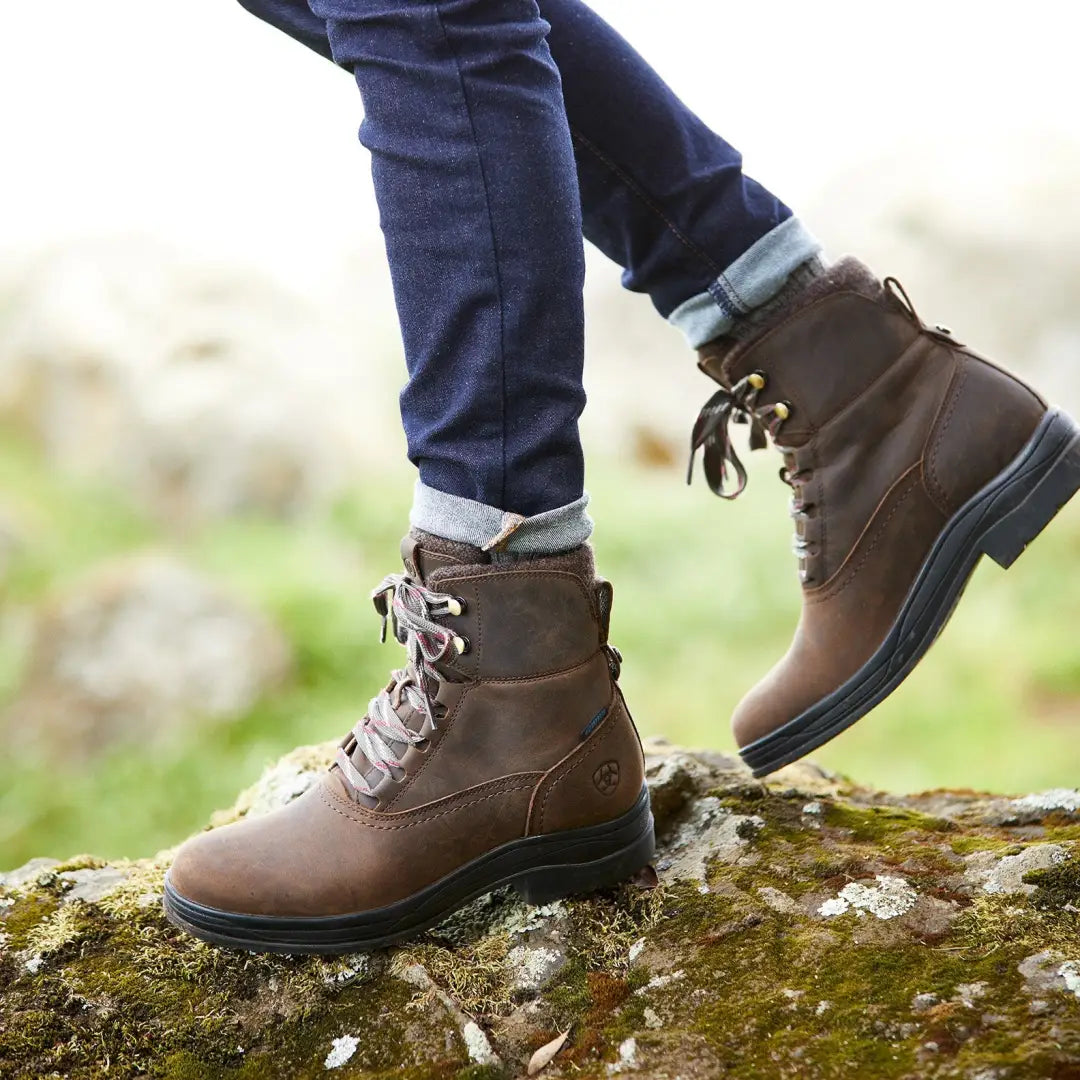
column 581, row 752
column 813, row 450
column 446, row 725
column 513, row 680
column 518, row 782
column 834, row 587
column 753, row 345
column 479, row 628
column 478, row 651
column 937, row 434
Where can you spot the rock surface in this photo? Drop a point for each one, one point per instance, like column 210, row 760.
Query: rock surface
column 139, row 645
column 801, row 928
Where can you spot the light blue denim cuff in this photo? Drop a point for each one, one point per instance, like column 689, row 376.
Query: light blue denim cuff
column 498, row 531
column 753, row 279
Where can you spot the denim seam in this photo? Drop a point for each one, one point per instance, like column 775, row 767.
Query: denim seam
column 494, row 253
column 726, row 298
column 751, row 280
column 637, row 190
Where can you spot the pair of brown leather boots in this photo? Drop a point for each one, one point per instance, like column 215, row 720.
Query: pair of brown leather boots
column 504, row 752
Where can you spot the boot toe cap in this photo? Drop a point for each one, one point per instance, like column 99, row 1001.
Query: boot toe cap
column 279, row 864
column 783, row 694
column 213, row 870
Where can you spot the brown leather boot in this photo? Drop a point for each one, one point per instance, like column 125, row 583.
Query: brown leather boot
column 503, row 754
column 909, row 456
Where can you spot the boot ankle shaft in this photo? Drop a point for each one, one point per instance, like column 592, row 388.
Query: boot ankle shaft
column 819, row 359
column 522, row 621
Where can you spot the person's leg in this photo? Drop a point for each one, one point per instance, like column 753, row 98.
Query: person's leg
column 474, row 177
column 503, row 752
column 662, row 195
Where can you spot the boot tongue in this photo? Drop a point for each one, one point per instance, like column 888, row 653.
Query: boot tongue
column 421, row 553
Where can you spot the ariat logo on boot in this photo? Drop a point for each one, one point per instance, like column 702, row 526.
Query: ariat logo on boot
column 606, row 778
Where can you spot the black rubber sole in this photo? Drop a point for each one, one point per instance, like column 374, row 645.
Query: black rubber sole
column 999, row 521
column 541, row 869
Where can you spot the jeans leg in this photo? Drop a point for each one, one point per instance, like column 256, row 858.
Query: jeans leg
column 296, row 19
column 662, row 195
column 475, row 180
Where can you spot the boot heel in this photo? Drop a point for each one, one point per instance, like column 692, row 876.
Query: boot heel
column 1060, row 480
column 554, row 882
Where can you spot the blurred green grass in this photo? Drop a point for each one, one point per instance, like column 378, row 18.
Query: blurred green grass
column 706, row 600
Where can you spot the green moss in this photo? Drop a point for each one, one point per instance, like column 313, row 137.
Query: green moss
column 1062, row 834
column 750, row 992
column 568, row 996
column 475, row 975
column 80, row 862
column 1056, row 887
column 753, row 991
column 66, row 926
column 27, row 912
column 880, row 824
column 151, row 1001
column 136, row 898
column 481, row 1072
column 604, row 926
column 749, row 998
column 973, row 842
column 785, row 969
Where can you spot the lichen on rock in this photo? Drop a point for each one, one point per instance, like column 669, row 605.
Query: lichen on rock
column 803, row 927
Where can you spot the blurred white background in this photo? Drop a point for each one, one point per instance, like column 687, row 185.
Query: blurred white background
column 938, row 140
column 197, row 123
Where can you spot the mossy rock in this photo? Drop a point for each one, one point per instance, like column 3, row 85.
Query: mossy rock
column 800, row 928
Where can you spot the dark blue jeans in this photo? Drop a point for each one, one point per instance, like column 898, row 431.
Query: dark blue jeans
column 499, row 132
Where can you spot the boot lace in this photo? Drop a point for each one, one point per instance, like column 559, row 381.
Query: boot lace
column 799, row 510
column 413, row 609
column 712, row 436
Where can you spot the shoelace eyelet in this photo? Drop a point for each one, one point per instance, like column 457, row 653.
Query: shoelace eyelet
column 461, row 645
column 456, row 605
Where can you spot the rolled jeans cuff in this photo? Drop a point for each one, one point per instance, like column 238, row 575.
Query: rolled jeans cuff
column 753, row 279
column 499, row 531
